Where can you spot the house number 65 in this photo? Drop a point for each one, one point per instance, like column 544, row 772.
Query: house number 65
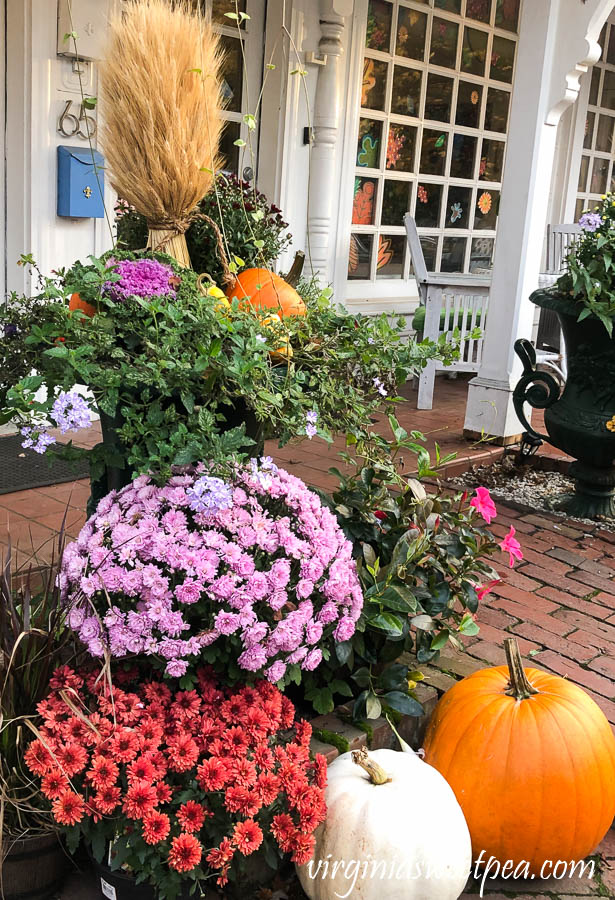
column 82, row 125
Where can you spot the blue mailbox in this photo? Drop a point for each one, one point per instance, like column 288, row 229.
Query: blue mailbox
column 81, row 183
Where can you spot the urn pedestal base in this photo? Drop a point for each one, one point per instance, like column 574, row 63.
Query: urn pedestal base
column 594, row 495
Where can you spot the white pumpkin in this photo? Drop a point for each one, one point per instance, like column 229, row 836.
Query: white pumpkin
column 393, row 827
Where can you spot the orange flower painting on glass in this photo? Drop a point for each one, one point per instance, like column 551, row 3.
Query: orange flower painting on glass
column 484, row 202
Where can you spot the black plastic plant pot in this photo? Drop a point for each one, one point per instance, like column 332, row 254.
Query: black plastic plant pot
column 120, row 886
column 580, row 419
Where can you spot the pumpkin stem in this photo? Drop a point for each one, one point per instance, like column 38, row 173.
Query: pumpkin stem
column 518, row 685
column 375, row 771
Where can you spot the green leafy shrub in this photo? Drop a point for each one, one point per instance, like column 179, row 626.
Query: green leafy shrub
column 422, row 561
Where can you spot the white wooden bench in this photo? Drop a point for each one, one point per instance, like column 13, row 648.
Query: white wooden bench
column 451, row 301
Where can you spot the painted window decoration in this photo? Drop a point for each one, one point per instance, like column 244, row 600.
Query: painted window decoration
column 436, row 85
column 597, row 168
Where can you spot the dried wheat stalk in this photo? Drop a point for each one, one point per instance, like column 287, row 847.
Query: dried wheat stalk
column 161, row 102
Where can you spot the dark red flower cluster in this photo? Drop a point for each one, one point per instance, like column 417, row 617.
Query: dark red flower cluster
column 193, row 778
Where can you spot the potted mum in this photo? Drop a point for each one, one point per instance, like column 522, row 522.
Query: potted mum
column 581, row 421
column 172, row 790
column 247, row 571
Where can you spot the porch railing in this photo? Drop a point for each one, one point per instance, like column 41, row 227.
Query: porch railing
column 451, row 302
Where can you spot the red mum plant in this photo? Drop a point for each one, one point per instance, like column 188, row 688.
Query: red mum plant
column 179, row 786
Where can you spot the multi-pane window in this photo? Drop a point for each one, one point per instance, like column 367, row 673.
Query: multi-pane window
column 596, row 175
column 234, row 77
column 435, row 99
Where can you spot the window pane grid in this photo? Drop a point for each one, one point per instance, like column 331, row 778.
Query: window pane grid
column 439, row 107
column 596, row 174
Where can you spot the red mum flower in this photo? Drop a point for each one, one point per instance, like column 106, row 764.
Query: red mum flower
column 163, row 792
column 182, row 753
column 38, row 758
column 243, row 771
column 72, row 758
column 247, row 836
column 140, row 800
column 150, row 734
column 267, row 788
column 157, row 690
column 141, row 769
column 68, row 808
column 124, row 745
column 188, row 703
column 103, row 772
column 243, row 800
column 263, row 757
column 54, row 784
column 185, row 853
column 284, row 831
column 236, row 741
column 212, row 774
column 156, row 827
column 64, row 678
column 320, row 770
column 303, row 849
column 191, row 816
column 107, row 799
column 222, row 855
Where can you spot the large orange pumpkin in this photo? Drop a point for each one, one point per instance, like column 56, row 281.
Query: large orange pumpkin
column 266, row 290
column 76, row 302
column 531, row 759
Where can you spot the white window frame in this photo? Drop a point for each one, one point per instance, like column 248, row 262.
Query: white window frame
column 253, row 32
column 591, row 198
column 401, row 287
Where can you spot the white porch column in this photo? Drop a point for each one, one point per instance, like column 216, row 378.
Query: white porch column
column 327, row 135
column 557, row 43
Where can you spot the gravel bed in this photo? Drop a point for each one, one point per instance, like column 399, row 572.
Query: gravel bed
column 522, row 486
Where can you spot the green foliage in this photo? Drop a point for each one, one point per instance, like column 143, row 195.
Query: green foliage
column 184, row 379
column 590, row 266
column 421, row 560
column 253, row 228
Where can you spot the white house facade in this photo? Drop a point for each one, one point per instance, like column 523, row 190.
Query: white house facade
column 486, row 119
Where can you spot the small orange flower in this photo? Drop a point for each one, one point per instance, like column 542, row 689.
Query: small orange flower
column 484, row 202
column 610, row 425
column 474, row 97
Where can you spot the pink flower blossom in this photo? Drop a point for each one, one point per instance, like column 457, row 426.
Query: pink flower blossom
column 512, row 546
column 486, row 588
column 484, row 505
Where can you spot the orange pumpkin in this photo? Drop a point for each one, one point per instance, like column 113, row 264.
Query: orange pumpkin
column 266, row 290
column 77, row 303
column 531, row 759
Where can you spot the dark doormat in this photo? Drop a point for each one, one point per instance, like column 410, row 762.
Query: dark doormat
column 22, row 469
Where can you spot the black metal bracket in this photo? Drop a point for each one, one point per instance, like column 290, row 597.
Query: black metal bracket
column 537, row 388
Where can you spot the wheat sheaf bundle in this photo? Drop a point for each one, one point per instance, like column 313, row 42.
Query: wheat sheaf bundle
column 161, row 98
